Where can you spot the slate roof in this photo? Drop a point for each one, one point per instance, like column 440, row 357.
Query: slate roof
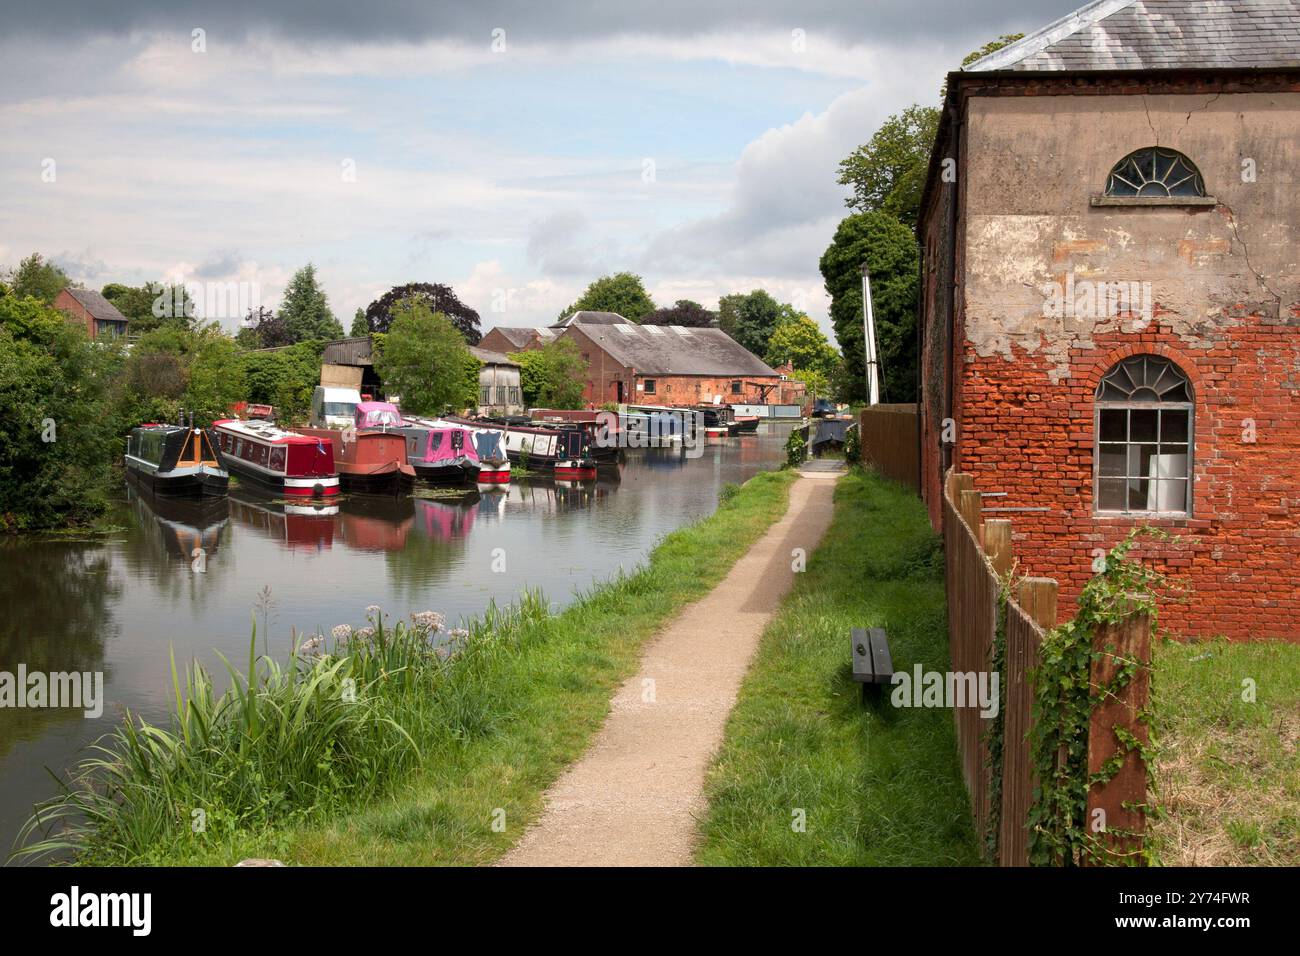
column 489, row 357
column 518, row 336
column 96, row 305
column 672, row 350
column 1159, row 35
column 591, row 318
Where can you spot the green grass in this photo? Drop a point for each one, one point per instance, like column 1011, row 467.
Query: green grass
column 437, row 762
column 878, row 786
column 1228, row 777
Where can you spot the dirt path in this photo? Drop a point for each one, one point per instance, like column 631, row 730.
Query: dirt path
column 633, row 798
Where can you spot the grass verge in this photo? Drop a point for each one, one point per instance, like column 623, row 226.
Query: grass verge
column 436, row 761
column 1228, row 776
column 877, row 786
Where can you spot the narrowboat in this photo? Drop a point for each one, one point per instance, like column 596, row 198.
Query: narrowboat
column 566, row 451
column 175, row 461
column 275, row 460
column 370, row 455
column 441, row 454
column 494, row 464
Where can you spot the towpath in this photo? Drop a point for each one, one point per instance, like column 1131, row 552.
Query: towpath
column 633, row 798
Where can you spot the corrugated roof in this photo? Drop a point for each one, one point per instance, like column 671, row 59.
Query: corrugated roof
column 584, row 317
column 672, row 352
column 489, row 357
column 350, row 351
column 1159, row 35
column 96, row 305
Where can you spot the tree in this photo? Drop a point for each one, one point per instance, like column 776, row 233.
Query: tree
column 888, row 173
column 438, row 298
column 423, row 358
column 38, row 278
column 173, row 369
column 263, row 329
column 360, row 326
column 800, row 342
column 285, row 379
column 56, row 442
column 552, row 376
column 305, row 308
column 622, row 292
column 751, row 318
column 684, row 313
column 889, row 249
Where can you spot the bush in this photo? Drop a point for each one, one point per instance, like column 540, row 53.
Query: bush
column 796, row 449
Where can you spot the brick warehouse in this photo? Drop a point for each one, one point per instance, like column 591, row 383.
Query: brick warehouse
column 1110, row 320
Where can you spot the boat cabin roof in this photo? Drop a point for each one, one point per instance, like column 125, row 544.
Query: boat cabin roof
column 263, row 431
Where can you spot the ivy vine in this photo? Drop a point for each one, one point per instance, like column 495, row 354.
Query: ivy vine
column 1064, row 699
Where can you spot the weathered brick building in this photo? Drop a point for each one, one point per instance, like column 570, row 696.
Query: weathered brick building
column 100, row 317
column 1110, row 315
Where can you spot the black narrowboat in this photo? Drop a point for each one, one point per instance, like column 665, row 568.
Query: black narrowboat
column 175, row 461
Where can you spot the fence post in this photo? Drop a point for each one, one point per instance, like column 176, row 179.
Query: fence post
column 1038, row 598
column 972, row 509
column 1116, row 807
column 997, row 544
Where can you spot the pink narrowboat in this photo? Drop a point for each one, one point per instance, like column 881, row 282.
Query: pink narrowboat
column 276, row 460
column 441, row 456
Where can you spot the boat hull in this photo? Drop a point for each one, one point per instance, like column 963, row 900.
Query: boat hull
column 322, row 487
column 181, row 483
column 446, row 474
column 390, row 480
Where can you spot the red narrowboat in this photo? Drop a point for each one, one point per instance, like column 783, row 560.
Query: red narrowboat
column 279, row 461
column 371, row 455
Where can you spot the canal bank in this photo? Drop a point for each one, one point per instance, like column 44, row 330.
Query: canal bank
column 493, row 727
column 121, row 604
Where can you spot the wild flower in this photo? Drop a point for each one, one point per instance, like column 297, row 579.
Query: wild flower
column 430, row 621
column 458, row 633
column 364, row 633
column 341, row 633
column 372, row 610
column 312, row 646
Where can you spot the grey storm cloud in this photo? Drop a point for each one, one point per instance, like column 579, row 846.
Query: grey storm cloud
column 851, row 21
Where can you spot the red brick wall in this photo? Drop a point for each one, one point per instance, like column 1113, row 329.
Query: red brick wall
column 1034, row 440
column 76, row 311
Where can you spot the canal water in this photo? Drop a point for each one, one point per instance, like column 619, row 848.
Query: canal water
column 192, row 579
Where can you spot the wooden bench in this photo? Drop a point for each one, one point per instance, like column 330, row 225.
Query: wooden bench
column 872, row 666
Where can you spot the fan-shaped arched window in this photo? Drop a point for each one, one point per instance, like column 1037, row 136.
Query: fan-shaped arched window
column 1144, row 438
column 1155, row 173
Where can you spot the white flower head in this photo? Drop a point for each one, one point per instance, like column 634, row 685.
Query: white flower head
column 312, row 647
column 430, row 621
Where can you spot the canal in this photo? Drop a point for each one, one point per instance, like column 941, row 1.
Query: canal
column 181, row 578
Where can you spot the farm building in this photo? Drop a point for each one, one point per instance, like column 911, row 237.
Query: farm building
column 673, row 365
column 1110, row 314
column 498, row 383
column 99, row 316
column 506, row 339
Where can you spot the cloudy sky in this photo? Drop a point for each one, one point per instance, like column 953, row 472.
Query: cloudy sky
column 516, row 150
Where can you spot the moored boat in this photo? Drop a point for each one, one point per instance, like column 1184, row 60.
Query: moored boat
column 175, row 461
column 441, row 454
column 279, row 461
column 564, row 450
column 371, row 455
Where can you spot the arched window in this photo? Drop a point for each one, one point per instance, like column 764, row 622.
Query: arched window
column 1155, row 173
column 1143, row 459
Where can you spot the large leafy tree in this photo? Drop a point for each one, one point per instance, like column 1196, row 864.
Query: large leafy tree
column 305, row 308
column 263, row 329
column 751, row 318
column 56, row 442
column 800, row 342
column 284, row 378
column 552, row 376
column 623, row 292
column 685, row 313
column 172, row 369
column 152, row 305
column 38, row 278
column 423, row 358
column 437, row 297
column 889, row 250
column 887, row 174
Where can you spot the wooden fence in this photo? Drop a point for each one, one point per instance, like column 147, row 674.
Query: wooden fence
column 979, row 558
column 890, row 442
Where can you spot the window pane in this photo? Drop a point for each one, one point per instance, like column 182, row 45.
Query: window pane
column 1114, row 424
column 1139, row 460
column 1173, row 424
column 1173, row 496
column 1112, row 460
column 1110, row 494
column 1142, row 424
column 1138, row 491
